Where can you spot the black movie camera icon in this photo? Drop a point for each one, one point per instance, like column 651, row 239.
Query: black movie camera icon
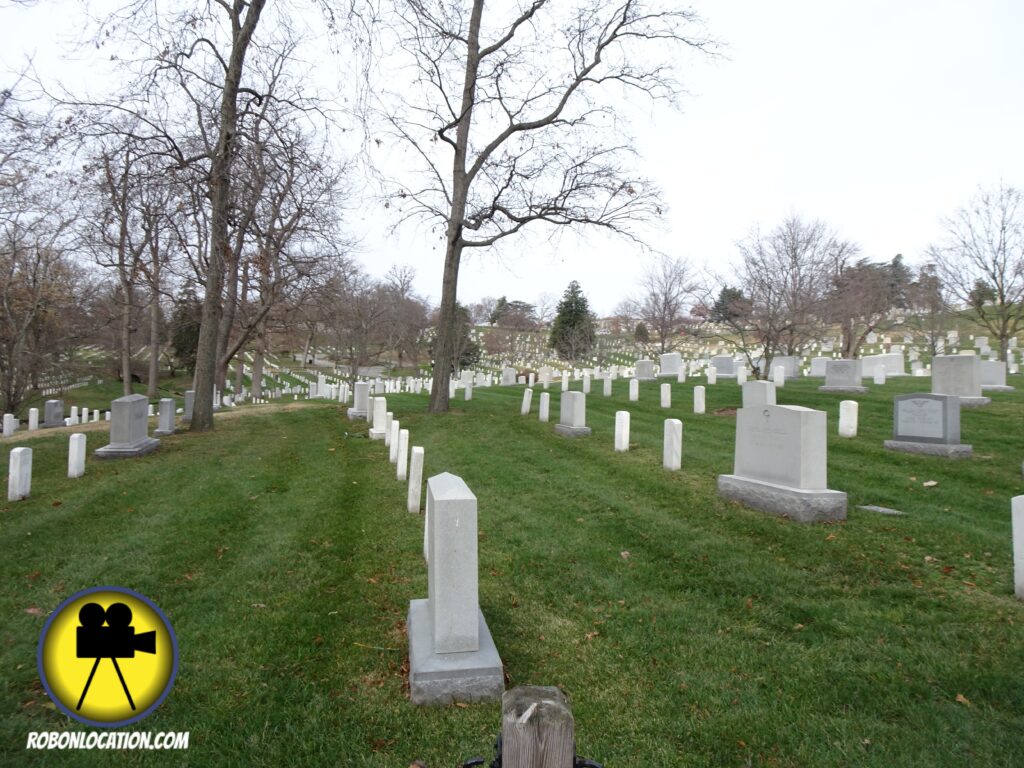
column 117, row 640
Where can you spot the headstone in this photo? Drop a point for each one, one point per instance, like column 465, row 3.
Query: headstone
column 361, row 404
column 790, row 365
column 848, row 418
column 757, row 393
column 402, row 459
column 380, row 415
column 993, row 376
column 607, row 387
column 698, row 400
column 879, row 376
column 452, row 656
column 959, row 375
column 129, row 429
column 412, row 498
column 395, row 430
column 681, row 377
column 19, row 474
column 671, row 364
column 33, row 419
column 190, row 401
column 537, row 729
column 565, row 381
column 572, row 421
column 621, row 431
column 843, row 376
column 712, row 375
column 544, row 409
column 74, row 415
column 1017, row 533
column 10, row 424
column 644, row 370
column 741, row 375
column 634, row 390
column 724, row 365
column 508, row 377
column 892, row 363
column 467, row 392
column 672, row 452
column 779, row 376
column 818, row 366
column 666, row 395
column 76, row 455
column 928, row 424
column 389, row 420
column 165, row 422
column 780, row 464
column 524, row 409
column 53, row 414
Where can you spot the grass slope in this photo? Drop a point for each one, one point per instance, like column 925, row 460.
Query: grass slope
column 686, row 630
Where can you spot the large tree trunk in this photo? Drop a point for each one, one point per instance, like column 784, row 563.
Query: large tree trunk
column 220, row 199
column 257, row 363
column 445, row 340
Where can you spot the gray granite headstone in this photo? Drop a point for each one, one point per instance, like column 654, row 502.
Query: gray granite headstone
column 928, row 424
column 165, row 420
column 959, row 375
column 53, row 414
column 190, row 402
column 129, row 427
column 843, row 376
column 670, row 364
column 644, row 370
column 993, row 376
column 725, row 366
column 572, row 421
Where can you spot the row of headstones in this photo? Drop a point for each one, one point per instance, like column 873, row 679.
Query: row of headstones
column 452, row 656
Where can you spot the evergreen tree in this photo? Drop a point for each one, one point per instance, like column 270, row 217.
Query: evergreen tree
column 185, row 322
column 573, row 333
column 729, row 306
column 641, row 335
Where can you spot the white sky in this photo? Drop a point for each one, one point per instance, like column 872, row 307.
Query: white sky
column 878, row 117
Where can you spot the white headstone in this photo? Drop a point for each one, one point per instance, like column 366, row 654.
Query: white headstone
column 779, row 376
column 1017, row 527
column 741, row 375
column 712, row 375
column 412, row 501
column 848, row 418
column 33, row 419
column 572, row 419
column 76, row 455
column 393, row 443
column 879, row 375
column 757, row 393
column 698, row 399
column 634, row 390
column 389, row 420
column 666, row 395
column 621, row 431
column 19, row 477
column 524, row 409
column 607, row 386
column 544, row 409
column 672, row 451
column 10, row 424
column 402, row 454
column 380, row 415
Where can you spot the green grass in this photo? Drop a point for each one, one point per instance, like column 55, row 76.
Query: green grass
column 724, row 637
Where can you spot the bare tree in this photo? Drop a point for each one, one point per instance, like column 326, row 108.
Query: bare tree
column 860, row 301
column 783, row 280
column 518, row 122
column 980, row 260
column 668, row 287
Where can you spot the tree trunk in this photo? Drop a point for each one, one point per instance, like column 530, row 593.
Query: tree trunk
column 220, row 200
column 239, row 373
column 446, row 326
column 154, row 345
column 257, row 363
column 126, row 339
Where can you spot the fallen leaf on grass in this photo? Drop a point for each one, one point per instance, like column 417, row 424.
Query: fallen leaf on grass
column 624, row 554
column 961, row 699
column 831, row 537
column 797, row 627
column 930, row 483
column 34, row 611
column 57, row 503
column 591, row 635
column 750, row 603
column 461, row 705
column 259, row 605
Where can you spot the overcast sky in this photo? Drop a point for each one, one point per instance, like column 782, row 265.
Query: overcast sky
column 878, row 117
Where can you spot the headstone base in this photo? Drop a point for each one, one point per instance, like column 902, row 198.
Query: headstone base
column 974, row 402
column 994, row 388
column 567, row 431
column 163, row 432
column 950, row 451
column 377, row 434
column 794, row 503
column 353, row 414
column 444, row 678
column 127, row 450
column 852, row 390
column 644, row 378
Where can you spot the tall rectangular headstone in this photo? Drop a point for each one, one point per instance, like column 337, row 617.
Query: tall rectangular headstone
column 412, row 498
column 53, row 414
column 380, row 415
column 1017, row 533
column 129, row 429
column 165, row 420
column 76, row 455
column 19, row 474
column 757, row 393
column 572, row 421
column 33, row 419
column 452, row 656
column 190, row 401
column 361, row 404
column 621, row 431
column 671, row 362
column 780, row 464
column 672, row 451
column 524, row 409
column 928, row 424
column 993, row 376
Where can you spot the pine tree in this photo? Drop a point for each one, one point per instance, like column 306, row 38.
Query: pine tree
column 573, row 333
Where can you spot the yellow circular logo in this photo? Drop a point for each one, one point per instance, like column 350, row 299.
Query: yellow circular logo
column 108, row 656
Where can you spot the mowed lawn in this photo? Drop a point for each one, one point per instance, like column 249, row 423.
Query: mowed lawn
column 686, row 630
